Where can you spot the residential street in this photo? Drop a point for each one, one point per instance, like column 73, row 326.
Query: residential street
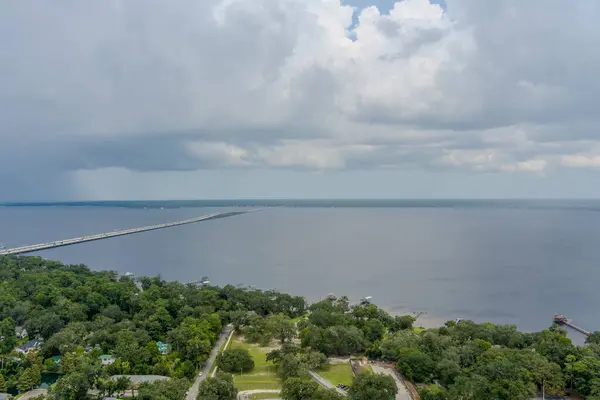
column 193, row 392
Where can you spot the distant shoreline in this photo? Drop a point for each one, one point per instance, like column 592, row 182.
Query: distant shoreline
column 546, row 204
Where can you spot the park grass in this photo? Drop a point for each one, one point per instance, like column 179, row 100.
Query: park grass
column 362, row 369
column 263, row 376
column 298, row 319
column 337, row 373
column 264, row 396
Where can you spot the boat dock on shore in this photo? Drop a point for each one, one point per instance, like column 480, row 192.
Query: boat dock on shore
column 562, row 320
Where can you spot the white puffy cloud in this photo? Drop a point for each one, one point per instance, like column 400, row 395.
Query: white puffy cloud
column 504, row 86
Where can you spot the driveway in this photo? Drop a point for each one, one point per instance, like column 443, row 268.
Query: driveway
column 325, row 383
column 33, row 393
column 403, row 393
column 193, row 392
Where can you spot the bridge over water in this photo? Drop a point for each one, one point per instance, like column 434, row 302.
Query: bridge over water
column 100, row 236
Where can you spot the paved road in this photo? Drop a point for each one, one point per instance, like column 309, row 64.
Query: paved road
column 193, row 392
column 403, row 393
column 325, row 383
column 33, row 393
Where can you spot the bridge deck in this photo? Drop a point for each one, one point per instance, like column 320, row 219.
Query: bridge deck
column 82, row 239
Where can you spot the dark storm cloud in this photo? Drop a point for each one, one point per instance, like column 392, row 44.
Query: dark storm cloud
column 185, row 85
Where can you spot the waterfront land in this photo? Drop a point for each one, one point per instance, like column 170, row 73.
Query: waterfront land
column 111, row 335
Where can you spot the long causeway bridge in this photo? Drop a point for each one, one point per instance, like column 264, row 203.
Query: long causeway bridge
column 100, row 236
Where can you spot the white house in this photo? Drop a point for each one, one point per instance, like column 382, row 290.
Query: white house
column 107, row 359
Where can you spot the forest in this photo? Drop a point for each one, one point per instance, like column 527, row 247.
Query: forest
column 93, row 330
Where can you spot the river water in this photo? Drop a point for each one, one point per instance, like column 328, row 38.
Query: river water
column 496, row 263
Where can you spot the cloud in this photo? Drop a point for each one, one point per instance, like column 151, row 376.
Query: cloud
column 147, row 85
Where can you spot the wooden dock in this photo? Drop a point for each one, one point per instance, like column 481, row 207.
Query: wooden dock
column 562, row 320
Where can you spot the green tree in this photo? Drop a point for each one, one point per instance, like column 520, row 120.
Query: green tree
column 122, row 383
column 281, row 327
column 71, row 387
column 290, row 367
column 50, row 365
column 7, row 332
column 593, row 338
column 187, row 369
column 298, row 389
column 373, row 387
column 403, row 322
column 473, row 387
column 416, row 365
column 25, row 382
column 433, row 392
column 235, row 360
column 3, row 387
column 218, row 388
column 447, row 371
column 330, row 394
column 29, row 378
column 172, row 389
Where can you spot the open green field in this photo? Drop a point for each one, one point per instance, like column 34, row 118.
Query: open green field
column 365, row 368
column 298, row 319
column 262, row 396
column 263, row 376
column 337, row 373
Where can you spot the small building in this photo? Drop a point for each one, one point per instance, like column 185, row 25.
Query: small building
column 29, row 347
column 21, row 332
column 163, row 348
column 107, row 359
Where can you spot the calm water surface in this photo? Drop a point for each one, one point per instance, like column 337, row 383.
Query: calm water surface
column 505, row 265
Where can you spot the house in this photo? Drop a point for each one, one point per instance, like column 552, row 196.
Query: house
column 163, row 348
column 87, row 349
column 21, row 332
column 29, row 347
column 107, row 359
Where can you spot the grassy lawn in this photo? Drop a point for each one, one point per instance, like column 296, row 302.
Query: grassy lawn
column 262, row 396
column 298, row 319
column 337, row 373
column 365, row 368
column 263, row 376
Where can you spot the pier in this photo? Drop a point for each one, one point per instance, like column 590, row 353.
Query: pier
column 562, row 320
column 100, row 236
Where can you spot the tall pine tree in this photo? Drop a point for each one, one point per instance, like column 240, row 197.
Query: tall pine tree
column 3, row 387
column 25, row 382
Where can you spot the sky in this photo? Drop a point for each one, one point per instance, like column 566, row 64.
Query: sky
column 187, row 99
